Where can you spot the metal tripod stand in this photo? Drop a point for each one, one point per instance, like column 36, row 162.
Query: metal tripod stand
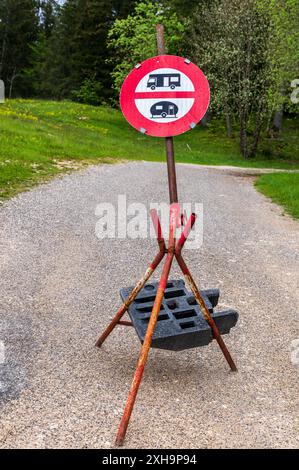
column 174, row 250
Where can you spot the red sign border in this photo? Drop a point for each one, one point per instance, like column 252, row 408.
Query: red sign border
column 185, row 123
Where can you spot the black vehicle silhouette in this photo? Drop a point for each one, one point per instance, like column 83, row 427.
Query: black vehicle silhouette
column 171, row 80
column 164, row 109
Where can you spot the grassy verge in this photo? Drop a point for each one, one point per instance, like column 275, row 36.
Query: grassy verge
column 39, row 139
column 282, row 188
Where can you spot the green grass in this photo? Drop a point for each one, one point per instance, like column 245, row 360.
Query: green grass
column 282, row 188
column 39, row 139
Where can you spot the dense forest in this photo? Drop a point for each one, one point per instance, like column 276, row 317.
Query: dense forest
column 82, row 49
column 50, row 48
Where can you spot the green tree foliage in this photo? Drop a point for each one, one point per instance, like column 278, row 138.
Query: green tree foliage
column 71, row 60
column 122, row 8
column 231, row 41
column 284, row 17
column 38, row 69
column 89, row 43
column 183, row 8
column 133, row 39
column 18, row 32
column 90, row 92
column 54, row 54
column 49, row 10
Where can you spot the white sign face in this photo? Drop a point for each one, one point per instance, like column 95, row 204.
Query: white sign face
column 160, row 104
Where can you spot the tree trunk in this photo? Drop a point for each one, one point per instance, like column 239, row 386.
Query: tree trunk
column 243, row 137
column 10, row 88
column 277, row 121
column 3, row 51
column 256, row 139
column 206, row 119
column 4, row 43
column 228, row 124
column 257, row 131
column 14, row 75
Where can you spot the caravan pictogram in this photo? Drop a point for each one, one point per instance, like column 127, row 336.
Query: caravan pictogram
column 164, row 109
column 162, row 80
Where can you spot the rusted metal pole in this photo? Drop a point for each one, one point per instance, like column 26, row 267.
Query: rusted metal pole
column 158, row 229
column 124, row 307
column 160, row 39
column 172, row 184
column 125, row 323
column 173, row 192
column 149, row 332
column 185, row 232
column 191, row 283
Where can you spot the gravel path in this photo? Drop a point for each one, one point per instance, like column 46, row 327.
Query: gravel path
column 59, row 287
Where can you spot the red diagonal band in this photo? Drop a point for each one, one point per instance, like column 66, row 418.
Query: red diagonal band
column 163, row 94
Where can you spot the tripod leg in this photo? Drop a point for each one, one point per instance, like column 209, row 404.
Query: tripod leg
column 174, row 211
column 190, row 281
column 144, row 352
column 122, row 310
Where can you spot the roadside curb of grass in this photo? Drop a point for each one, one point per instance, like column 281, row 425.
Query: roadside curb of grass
column 280, row 186
column 237, row 169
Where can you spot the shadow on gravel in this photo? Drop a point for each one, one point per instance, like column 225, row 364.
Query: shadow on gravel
column 12, row 381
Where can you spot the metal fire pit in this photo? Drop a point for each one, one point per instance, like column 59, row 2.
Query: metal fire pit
column 181, row 324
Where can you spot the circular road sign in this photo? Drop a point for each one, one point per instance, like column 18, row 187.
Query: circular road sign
column 165, row 96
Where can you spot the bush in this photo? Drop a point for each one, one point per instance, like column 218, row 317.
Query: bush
column 90, row 92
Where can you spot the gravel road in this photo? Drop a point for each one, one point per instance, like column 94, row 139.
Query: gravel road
column 59, row 287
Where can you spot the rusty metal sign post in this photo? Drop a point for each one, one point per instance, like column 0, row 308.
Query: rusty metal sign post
column 174, row 250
